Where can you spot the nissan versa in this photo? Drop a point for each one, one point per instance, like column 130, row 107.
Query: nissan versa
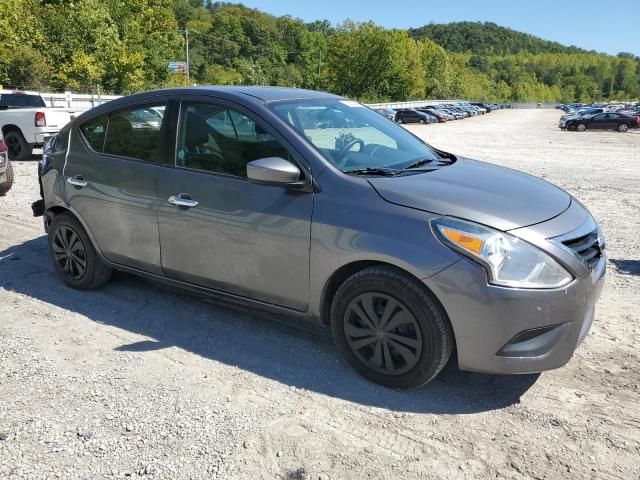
column 305, row 203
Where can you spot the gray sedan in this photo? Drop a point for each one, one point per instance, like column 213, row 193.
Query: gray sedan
column 307, row 204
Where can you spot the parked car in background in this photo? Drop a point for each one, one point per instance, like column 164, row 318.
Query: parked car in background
column 410, row 115
column 578, row 113
column 387, row 113
column 406, row 252
column 603, row 121
column 6, row 170
column 441, row 117
column 26, row 122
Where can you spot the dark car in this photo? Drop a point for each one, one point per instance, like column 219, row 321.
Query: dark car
column 410, row 115
column 309, row 205
column 603, row 121
column 440, row 116
column 386, row 113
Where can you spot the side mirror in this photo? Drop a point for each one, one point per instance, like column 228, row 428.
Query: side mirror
column 274, row 171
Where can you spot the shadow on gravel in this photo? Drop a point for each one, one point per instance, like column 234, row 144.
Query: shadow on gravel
column 627, row 267
column 291, row 355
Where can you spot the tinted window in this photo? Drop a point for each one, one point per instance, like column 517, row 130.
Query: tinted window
column 135, row 133
column 216, row 139
column 13, row 100
column 94, row 131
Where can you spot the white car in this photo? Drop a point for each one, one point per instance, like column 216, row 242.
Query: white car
column 26, row 122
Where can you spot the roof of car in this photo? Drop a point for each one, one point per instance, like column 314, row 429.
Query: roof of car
column 267, row 94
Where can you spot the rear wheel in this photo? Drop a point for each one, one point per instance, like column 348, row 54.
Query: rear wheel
column 17, row 146
column 623, row 127
column 6, row 186
column 74, row 258
column 581, row 127
column 390, row 329
column 421, row 121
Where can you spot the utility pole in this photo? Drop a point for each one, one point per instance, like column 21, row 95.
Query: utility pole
column 186, row 36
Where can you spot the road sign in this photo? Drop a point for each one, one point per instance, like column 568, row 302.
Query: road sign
column 177, row 67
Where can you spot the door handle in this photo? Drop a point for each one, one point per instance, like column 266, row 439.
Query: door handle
column 182, row 201
column 77, row 181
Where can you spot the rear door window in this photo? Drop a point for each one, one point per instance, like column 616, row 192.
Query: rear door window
column 136, row 133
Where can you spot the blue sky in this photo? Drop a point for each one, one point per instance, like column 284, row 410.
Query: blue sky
column 609, row 26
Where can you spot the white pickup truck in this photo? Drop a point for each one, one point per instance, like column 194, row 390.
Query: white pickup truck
column 26, row 122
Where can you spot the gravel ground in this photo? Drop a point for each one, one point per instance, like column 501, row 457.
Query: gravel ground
column 137, row 380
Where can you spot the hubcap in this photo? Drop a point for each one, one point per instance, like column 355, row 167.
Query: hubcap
column 69, row 252
column 623, row 128
column 383, row 333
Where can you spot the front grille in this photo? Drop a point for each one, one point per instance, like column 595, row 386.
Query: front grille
column 588, row 248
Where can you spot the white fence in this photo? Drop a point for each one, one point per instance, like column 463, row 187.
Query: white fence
column 411, row 103
column 87, row 101
column 75, row 100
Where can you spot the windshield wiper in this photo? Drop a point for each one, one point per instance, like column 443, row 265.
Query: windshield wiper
column 372, row 171
column 418, row 163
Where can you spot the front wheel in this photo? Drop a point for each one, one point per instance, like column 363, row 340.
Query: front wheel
column 389, row 329
column 581, row 127
column 421, row 121
column 623, row 127
column 400, row 121
column 74, row 259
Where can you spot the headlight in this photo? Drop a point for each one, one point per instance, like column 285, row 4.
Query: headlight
column 509, row 261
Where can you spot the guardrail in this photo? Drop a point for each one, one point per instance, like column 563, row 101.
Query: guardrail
column 76, row 100
column 411, row 103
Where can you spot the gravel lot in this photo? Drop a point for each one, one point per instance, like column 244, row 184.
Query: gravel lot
column 138, row 380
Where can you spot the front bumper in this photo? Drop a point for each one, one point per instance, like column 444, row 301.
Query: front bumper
column 507, row 330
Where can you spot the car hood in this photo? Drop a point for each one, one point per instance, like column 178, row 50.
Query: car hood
column 495, row 196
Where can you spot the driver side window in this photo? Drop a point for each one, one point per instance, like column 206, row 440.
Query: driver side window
column 214, row 138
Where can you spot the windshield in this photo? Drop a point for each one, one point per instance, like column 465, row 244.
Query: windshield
column 351, row 136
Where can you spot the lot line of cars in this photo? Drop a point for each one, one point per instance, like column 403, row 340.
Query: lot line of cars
column 437, row 113
column 307, row 204
column 600, row 116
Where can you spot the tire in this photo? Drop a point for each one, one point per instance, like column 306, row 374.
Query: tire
column 66, row 234
column 400, row 120
column 421, row 121
column 18, row 147
column 6, row 186
column 415, row 340
column 623, row 127
column 581, row 127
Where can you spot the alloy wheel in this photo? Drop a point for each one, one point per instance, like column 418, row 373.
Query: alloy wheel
column 382, row 332
column 69, row 252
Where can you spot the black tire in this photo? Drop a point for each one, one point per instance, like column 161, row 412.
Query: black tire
column 581, row 127
column 6, row 186
column 427, row 338
column 422, row 121
column 400, row 120
column 94, row 273
column 18, row 147
column 623, row 127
